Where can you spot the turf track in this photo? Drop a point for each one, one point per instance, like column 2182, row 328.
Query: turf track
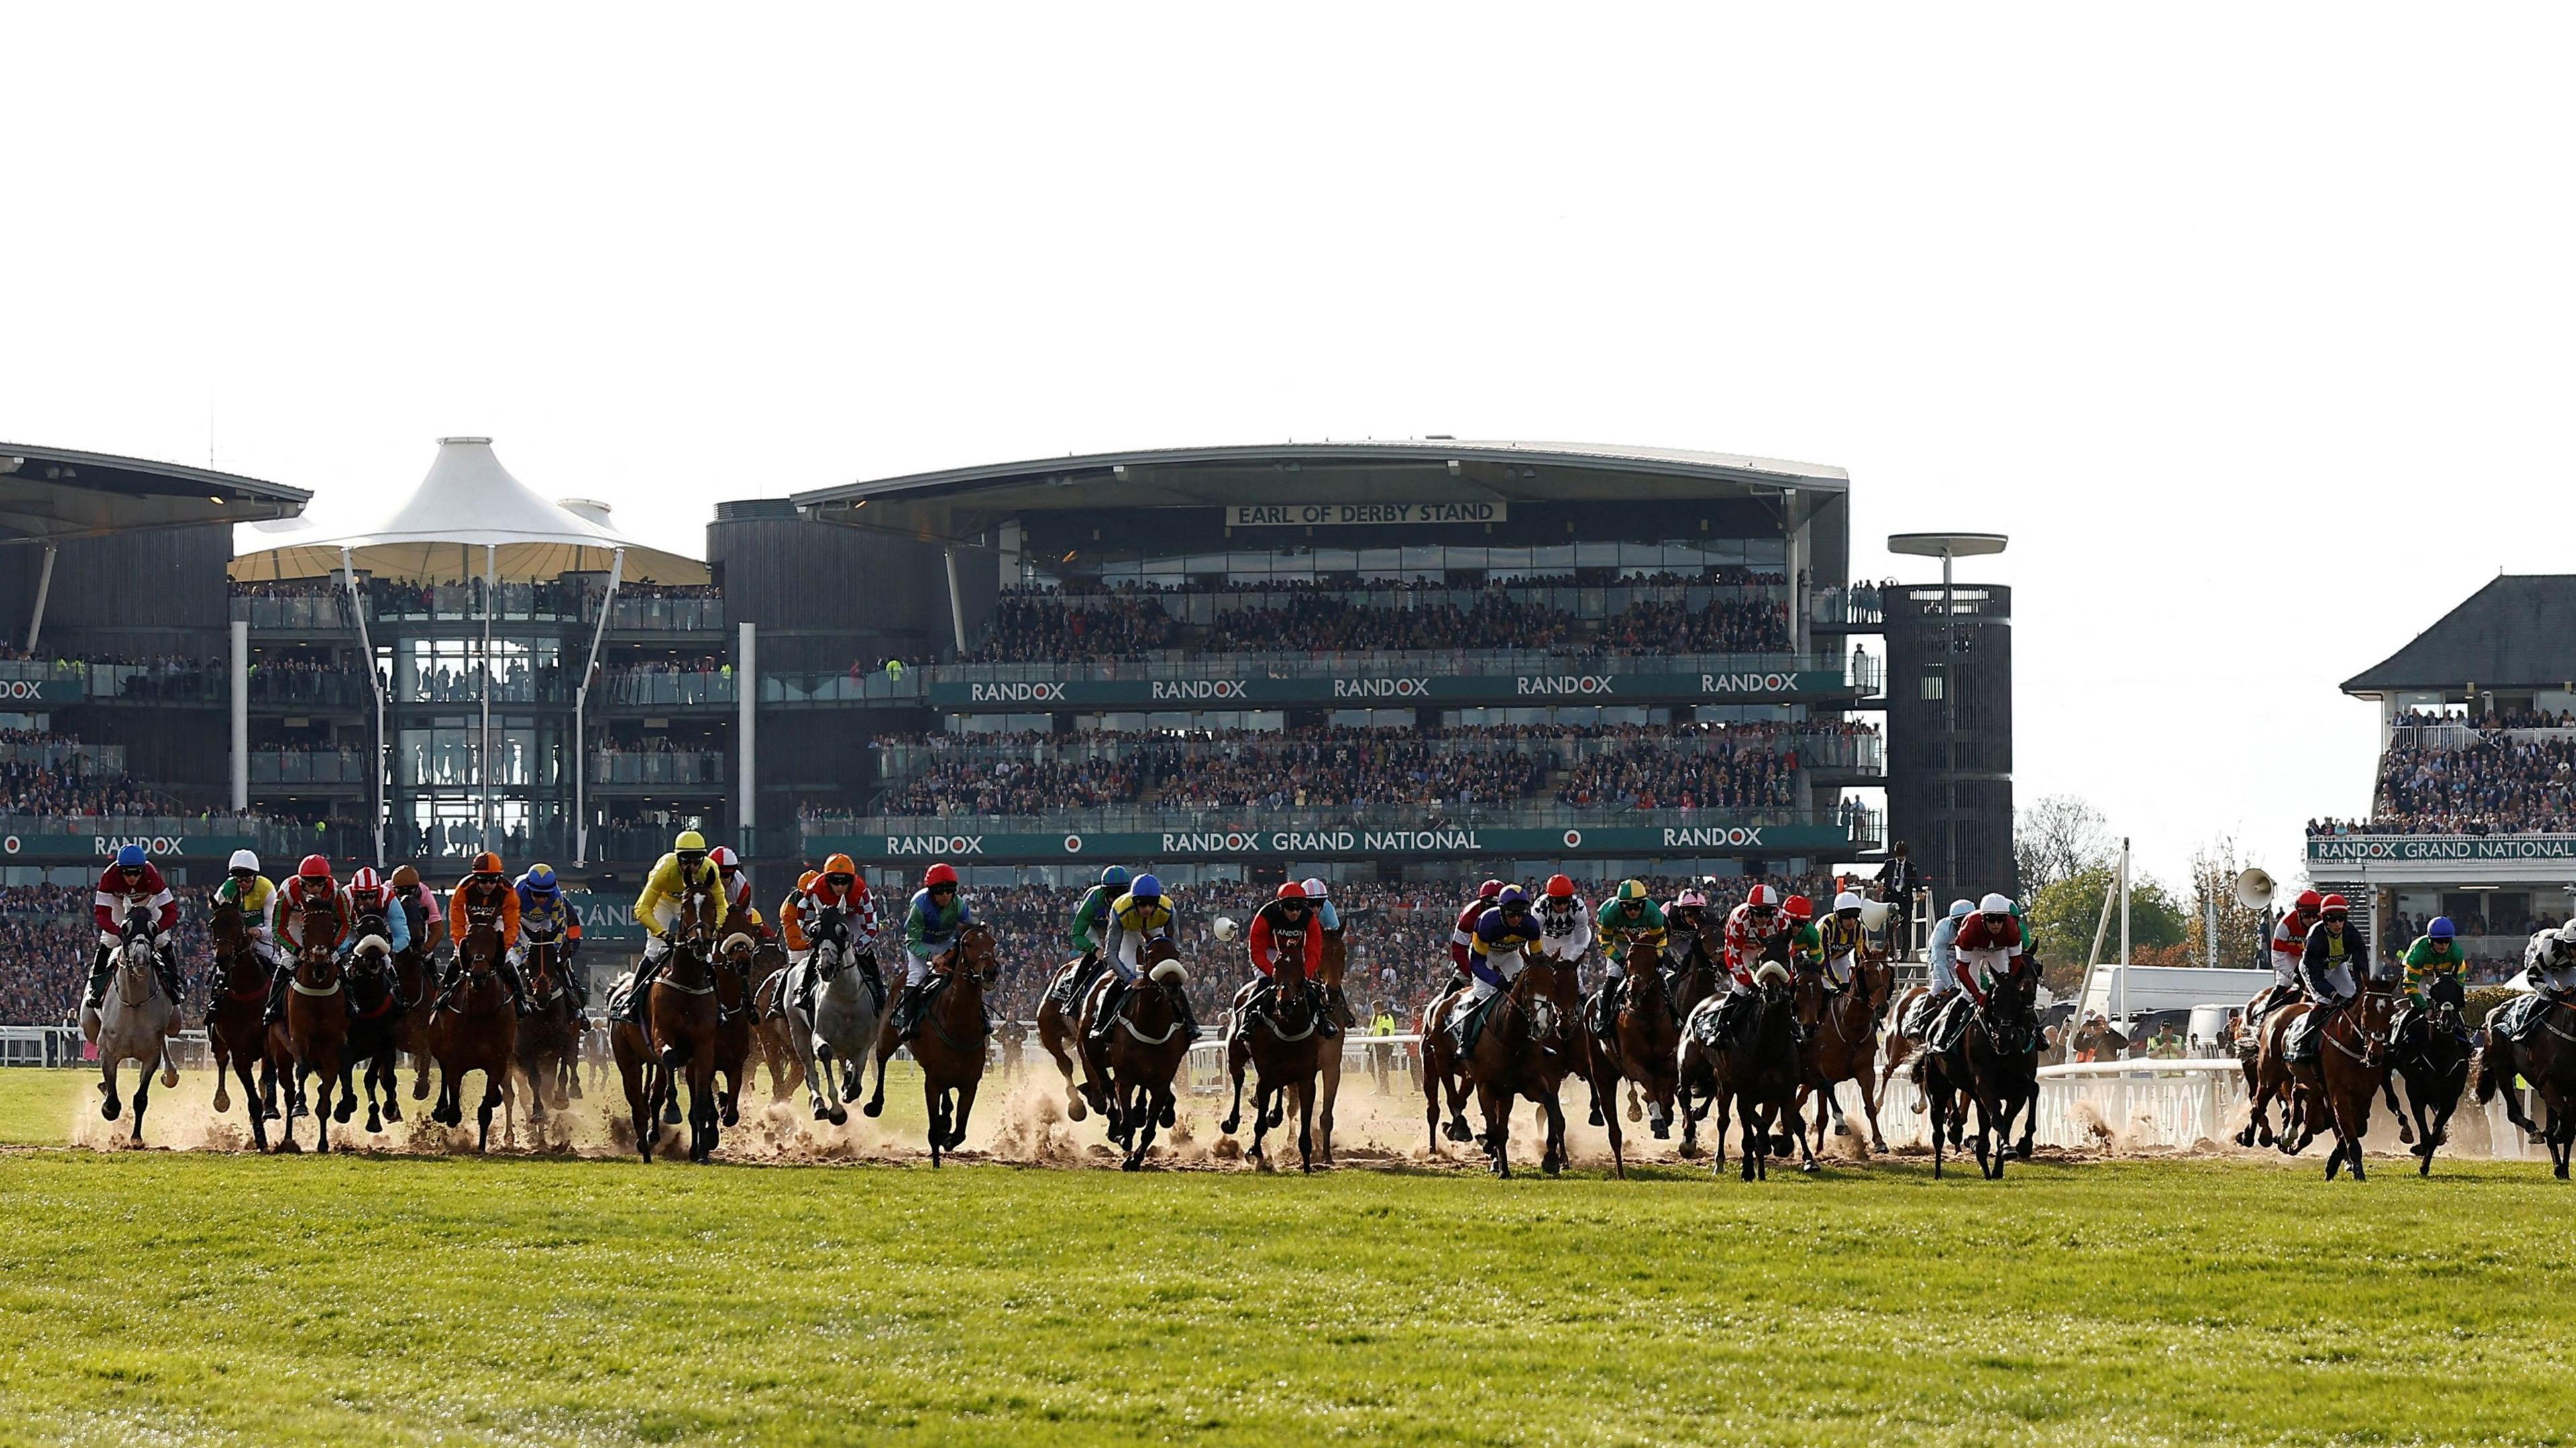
column 158, row 1296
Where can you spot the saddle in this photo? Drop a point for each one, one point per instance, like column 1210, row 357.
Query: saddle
column 2303, row 1042
column 2520, row 1018
column 619, row 994
column 1468, row 1025
column 1076, row 984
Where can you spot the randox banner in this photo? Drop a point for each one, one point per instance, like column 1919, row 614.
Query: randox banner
column 1573, row 687
column 74, row 848
column 39, row 691
column 1247, row 840
column 2442, row 847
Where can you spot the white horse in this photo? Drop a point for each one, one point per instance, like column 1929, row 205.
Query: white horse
column 843, row 1025
column 134, row 1022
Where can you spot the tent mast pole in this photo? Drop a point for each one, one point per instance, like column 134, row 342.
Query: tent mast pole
column 580, row 702
column 491, row 554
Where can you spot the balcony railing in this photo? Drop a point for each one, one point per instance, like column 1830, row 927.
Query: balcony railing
column 1174, row 664
column 305, row 613
column 675, row 767
column 311, row 766
column 695, row 686
column 1518, row 814
column 1593, row 602
column 79, row 758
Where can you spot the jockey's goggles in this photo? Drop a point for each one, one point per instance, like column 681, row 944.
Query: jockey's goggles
column 943, row 888
column 1749, row 909
column 2337, row 917
column 837, row 882
column 691, row 859
column 131, row 872
column 243, row 872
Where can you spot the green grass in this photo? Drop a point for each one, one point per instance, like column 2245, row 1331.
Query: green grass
column 201, row 1297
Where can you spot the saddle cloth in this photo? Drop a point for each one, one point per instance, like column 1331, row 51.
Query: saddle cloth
column 1469, row 1024
column 2519, row 1018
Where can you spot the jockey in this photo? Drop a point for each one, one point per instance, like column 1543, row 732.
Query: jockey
column 685, row 868
column 1286, row 926
column 367, row 894
column 1753, row 929
column 735, row 881
column 1565, row 936
column 1806, row 944
column 544, row 914
column 132, row 882
column 246, row 887
column 1091, row 931
column 1843, row 936
column 2433, row 966
column 1320, row 896
column 2326, row 974
column 426, row 923
column 1462, row 936
column 1628, row 915
column 1136, row 918
column 930, row 929
column 1990, row 947
column 837, row 886
column 1943, row 967
column 2289, row 945
column 485, row 897
column 1682, row 912
column 290, row 911
column 1506, row 936
column 2549, row 961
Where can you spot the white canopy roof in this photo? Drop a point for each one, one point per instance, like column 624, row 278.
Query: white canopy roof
column 467, row 502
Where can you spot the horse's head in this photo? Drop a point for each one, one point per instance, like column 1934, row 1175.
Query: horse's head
column 2372, row 1014
column 1332, row 959
column 977, row 952
column 1641, row 958
column 370, row 964
column 480, row 951
column 317, row 962
column 1164, row 969
column 224, row 927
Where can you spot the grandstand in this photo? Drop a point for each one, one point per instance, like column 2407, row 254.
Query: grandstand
column 2473, row 801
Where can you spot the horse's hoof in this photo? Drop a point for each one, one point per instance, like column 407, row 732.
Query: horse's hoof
column 393, row 1112
column 1663, row 1131
column 109, row 1108
column 1074, row 1110
column 1806, row 1166
column 840, row 1116
column 1165, row 1119
column 874, row 1108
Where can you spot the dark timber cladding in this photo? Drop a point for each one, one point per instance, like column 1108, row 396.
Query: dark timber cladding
column 1950, row 736
column 2518, row 632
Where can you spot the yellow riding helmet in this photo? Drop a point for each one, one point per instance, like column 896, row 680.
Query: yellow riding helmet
column 1632, row 890
column 690, row 840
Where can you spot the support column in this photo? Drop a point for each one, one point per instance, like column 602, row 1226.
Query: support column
column 241, row 715
column 1801, row 548
column 746, row 697
column 483, row 759
column 956, row 606
column 44, row 586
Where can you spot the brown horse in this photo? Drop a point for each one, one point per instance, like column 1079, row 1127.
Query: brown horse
column 950, row 1044
column 1996, row 1066
column 375, row 1016
column 548, row 1048
column 679, row 1033
column 1285, row 1050
column 310, row 1039
column 1132, row 1070
column 1843, row 1045
column 411, row 1028
column 2548, row 1061
column 1060, row 1034
column 2350, row 1071
column 236, row 1033
column 1441, row 1070
column 769, row 1027
column 1332, row 964
column 2270, row 1080
column 735, row 961
column 1644, row 1045
column 1524, row 1051
column 474, row 1028
column 1761, row 1071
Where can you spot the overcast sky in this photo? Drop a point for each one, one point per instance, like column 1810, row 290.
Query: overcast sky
column 2249, row 324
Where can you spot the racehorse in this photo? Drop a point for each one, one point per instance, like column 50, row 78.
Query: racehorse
column 474, row 1028
column 834, row 1022
column 1696, row 978
column 1133, row 1068
column 1996, row 1066
column 310, row 1040
column 1060, row 1033
column 548, row 1044
column 2350, row 1070
column 1522, row 1052
column 1440, row 1068
column 1280, row 1042
column 2435, row 1062
column 949, row 1046
column 1843, row 1045
column 236, row 1028
column 679, row 1031
column 1761, row 1071
column 375, row 1018
column 2548, row 1061
column 1643, row 1045
column 769, row 1045
column 735, row 961
column 411, row 1028
column 134, row 1021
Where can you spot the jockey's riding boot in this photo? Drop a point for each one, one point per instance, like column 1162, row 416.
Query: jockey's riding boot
column 168, row 970
column 1111, row 1001
column 907, row 1013
column 1189, row 1020
column 633, row 1014
column 98, row 972
column 518, row 989
column 1325, row 1025
column 277, row 997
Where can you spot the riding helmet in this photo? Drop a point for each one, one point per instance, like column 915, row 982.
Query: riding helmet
column 540, row 879
column 1632, row 890
column 1509, row 896
column 1291, row 890
column 486, row 863
column 1115, row 877
column 1690, row 900
column 1761, row 897
column 365, row 883
column 940, row 874
column 2441, row 928
column 2308, row 902
column 1146, row 887
column 1316, row 889
column 129, row 857
column 1560, row 888
column 1489, row 889
column 314, row 868
column 725, row 858
column 689, row 842
column 1962, row 909
column 1799, row 907
column 1847, row 900
column 2334, row 904
column 243, row 860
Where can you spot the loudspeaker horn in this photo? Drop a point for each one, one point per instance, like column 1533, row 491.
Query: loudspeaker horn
column 2255, row 889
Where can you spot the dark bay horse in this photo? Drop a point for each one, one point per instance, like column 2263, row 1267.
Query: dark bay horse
column 375, row 1020
column 236, row 1031
column 679, row 1033
column 474, row 1028
column 1133, row 1069
column 950, row 1045
column 736, row 963
column 1644, row 1044
column 1995, row 1066
column 1524, row 1051
column 1760, row 1073
column 2433, row 1057
column 2548, row 1061
column 1285, row 1050
column 310, row 1041
column 411, row 1028
column 548, row 1046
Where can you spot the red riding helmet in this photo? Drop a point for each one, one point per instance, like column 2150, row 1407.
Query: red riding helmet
column 366, row 883
column 1800, row 907
column 314, row 868
column 2333, row 903
column 1560, row 888
column 725, row 859
column 1762, row 897
column 939, row 874
column 1489, row 889
column 1293, row 891
column 2309, row 902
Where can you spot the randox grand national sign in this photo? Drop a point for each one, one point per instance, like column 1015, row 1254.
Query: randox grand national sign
column 2442, row 847
column 1573, row 686
column 959, row 843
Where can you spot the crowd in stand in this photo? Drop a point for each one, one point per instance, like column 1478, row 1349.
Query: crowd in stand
column 2499, row 786
column 1033, row 630
column 1648, row 775
column 47, row 937
column 63, row 790
column 1015, row 787
column 1380, row 767
column 1735, row 626
column 1325, row 623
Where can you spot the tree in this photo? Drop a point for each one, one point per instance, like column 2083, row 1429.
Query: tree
column 2057, row 837
column 2063, row 916
column 2241, row 941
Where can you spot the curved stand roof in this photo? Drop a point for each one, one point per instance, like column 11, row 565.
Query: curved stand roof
column 50, row 494
column 468, row 501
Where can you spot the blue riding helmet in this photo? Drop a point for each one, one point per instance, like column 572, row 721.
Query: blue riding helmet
column 540, row 879
column 2441, row 928
column 1509, row 896
column 1146, row 887
column 1962, row 909
column 130, row 857
column 1115, row 877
